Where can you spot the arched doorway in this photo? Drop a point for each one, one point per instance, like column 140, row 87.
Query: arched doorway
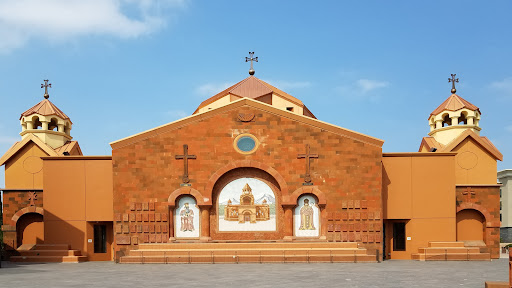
column 30, row 229
column 470, row 225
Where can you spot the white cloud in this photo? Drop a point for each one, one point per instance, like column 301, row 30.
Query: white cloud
column 367, row 85
column 211, row 89
column 504, row 86
column 364, row 89
column 62, row 20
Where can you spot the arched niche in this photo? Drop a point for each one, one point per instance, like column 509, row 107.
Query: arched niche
column 470, row 225
column 306, row 217
column 231, row 219
column 187, row 218
column 30, row 229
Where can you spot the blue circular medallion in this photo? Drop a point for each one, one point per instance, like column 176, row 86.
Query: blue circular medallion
column 246, row 144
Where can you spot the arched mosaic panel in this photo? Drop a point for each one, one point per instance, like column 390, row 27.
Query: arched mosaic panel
column 306, row 218
column 246, row 204
column 186, row 218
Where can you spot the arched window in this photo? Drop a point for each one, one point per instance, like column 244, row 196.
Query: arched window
column 52, row 126
column 446, row 120
column 463, row 120
column 37, row 124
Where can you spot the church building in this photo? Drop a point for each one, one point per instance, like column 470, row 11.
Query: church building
column 251, row 176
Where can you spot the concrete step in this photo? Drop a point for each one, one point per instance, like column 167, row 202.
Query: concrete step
column 439, row 250
column 215, row 259
column 445, row 244
column 249, row 245
column 47, row 259
column 232, row 252
column 452, row 257
column 50, row 252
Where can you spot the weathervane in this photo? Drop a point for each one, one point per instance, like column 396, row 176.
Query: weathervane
column 46, row 85
column 453, row 80
column 247, row 59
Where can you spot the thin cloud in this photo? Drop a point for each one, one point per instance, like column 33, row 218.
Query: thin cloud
column 508, row 128
column 211, row 89
column 61, row 20
column 363, row 89
column 504, row 86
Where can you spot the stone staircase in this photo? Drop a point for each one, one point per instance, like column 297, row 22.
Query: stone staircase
column 268, row 252
column 42, row 253
column 451, row 251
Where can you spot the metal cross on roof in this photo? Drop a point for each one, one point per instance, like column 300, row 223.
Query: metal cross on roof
column 247, row 59
column 46, row 85
column 453, row 80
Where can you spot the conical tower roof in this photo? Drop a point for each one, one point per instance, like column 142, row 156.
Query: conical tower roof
column 45, row 108
column 454, row 103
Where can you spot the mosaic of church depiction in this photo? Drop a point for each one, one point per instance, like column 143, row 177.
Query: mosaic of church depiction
column 243, row 209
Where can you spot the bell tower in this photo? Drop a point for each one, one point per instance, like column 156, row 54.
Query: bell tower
column 454, row 116
column 47, row 122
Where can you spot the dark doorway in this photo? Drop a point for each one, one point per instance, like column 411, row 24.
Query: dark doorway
column 100, row 238
column 399, row 236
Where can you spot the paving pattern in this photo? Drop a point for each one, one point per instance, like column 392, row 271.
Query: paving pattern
column 392, row 273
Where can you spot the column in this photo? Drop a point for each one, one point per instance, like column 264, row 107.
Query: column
column 45, row 125
column 30, row 125
column 288, row 223
column 439, row 124
column 471, row 120
column 61, row 128
column 205, row 223
column 323, row 223
column 455, row 120
column 171, row 223
column 432, row 127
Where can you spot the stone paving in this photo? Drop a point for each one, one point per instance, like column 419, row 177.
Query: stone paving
column 392, row 273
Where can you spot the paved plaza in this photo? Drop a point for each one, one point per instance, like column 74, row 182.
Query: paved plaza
column 393, row 273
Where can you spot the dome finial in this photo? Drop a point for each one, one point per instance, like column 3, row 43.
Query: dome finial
column 46, row 85
column 247, row 59
column 453, row 80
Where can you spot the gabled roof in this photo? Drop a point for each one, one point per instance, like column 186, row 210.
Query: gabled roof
column 45, row 108
column 236, row 105
column 68, row 147
column 482, row 141
column 253, row 88
column 454, row 103
column 19, row 145
column 429, row 143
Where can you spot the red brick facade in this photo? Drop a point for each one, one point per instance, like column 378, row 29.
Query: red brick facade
column 486, row 200
column 16, row 203
column 346, row 176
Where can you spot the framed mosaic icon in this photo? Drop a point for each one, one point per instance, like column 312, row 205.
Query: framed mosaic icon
column 246, row 204
column 186, row 218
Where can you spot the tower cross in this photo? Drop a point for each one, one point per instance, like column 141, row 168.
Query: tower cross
column 185, row 157
column 468, row 194
column 308, row 156
column 453, row 81
column 247, row 59
column 46, row 85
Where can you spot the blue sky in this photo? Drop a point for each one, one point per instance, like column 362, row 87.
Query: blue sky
column 377, row 67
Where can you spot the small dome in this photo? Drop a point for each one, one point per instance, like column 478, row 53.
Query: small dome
column 454, row 103
column 45, row 108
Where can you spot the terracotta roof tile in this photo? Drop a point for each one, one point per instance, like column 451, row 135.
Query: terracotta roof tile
column 429, row 143
column 68, row 147
column 252, row 87
column 454, row 103
column 45, row 108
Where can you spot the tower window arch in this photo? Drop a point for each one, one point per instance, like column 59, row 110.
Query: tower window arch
column 53, row 124
column 463, row 119
column 446, row 120
column 37, row 123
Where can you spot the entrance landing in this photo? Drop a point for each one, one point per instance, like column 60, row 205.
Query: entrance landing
column 276, row 252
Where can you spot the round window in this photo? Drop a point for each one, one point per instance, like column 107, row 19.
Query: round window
column 246, row 143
